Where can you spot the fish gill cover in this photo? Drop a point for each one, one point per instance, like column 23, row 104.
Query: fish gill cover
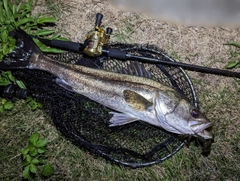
column 86, row 123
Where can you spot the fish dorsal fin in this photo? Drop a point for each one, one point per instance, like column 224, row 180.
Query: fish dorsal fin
column 136, row 101
column 136, row 68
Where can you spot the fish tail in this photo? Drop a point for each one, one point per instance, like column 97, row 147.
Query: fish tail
column 20, row 57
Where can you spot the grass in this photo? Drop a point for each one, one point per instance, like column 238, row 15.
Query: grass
column 221, row 103
column 54, row 8
column 125, row 31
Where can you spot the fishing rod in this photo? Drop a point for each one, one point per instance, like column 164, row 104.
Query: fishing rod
column 96, row 45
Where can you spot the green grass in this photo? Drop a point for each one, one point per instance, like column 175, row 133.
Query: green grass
column 125, row 31
column 172, row 53
column 55, row 8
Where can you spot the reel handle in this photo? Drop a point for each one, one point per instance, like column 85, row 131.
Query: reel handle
column 109, row 31
column 99, row 18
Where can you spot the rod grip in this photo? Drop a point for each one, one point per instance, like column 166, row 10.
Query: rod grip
column 65, row 45
column 115, row 53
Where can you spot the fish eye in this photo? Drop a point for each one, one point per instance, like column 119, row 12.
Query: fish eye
column 195, row 113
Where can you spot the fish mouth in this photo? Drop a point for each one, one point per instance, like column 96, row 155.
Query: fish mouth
column 205, row 134
column 203, row 130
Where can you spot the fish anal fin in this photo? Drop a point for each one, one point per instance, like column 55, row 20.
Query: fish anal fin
column 119, row 119
column 136, row 101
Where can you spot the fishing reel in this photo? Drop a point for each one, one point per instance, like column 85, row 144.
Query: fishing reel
column 97, row 38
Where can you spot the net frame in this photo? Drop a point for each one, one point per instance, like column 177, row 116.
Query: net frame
column 85, row 122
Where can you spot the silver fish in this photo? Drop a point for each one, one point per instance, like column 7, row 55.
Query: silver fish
column 133, row 97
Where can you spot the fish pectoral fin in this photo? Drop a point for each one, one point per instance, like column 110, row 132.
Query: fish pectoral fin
column 136, row 101
column 63, row 84
column 120, row 119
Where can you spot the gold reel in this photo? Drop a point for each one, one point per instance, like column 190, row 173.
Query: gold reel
column 97, row 38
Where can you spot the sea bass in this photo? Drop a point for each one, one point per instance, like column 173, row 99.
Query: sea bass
column 132, row 97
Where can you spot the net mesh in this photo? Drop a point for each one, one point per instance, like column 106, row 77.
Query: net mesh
column 86, row 123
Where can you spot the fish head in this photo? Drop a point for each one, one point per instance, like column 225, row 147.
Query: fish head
column 198, row 122
column 176, row 114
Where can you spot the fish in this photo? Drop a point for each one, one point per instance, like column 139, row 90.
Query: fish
column 130, row 97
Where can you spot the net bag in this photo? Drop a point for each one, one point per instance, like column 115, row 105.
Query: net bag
column 86, row 123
